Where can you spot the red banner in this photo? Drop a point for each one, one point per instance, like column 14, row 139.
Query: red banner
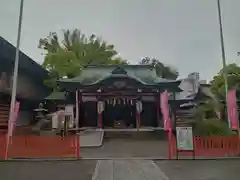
column 165, row 111
column 232, row 109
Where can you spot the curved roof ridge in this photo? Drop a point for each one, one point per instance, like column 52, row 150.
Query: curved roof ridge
column 117, row 75
column 119, row 65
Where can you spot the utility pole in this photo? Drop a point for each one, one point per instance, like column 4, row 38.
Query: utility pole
column 15, row 77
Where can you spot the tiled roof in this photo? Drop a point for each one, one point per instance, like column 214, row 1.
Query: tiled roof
column 145, row 74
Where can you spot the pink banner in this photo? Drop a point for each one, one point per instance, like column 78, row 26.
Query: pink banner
column 232, row 109
column 165, row 111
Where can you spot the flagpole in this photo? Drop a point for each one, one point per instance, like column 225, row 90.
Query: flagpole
column 15, row 76
column 222, row 49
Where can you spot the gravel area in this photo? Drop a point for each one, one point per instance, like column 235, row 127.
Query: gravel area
column 201, row 169
column 59, row 170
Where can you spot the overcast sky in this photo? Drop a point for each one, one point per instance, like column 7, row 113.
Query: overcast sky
column 182, row 33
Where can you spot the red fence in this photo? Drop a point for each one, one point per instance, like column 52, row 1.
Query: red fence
column 210, row 146
column 40, row 147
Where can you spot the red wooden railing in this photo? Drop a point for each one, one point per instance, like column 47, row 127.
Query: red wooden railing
column 213, row 146
column 40, row 147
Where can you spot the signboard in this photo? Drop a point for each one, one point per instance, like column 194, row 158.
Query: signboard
column 89, row 98
column 232, row 109
column 184, row 138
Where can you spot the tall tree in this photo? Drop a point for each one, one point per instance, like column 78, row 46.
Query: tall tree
column 67, row 57
column 162, row 70
column 233, row 76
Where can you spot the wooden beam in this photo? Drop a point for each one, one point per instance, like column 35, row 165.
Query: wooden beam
column 118, row 94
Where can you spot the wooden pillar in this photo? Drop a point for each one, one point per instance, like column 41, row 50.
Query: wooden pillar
column 158, row 109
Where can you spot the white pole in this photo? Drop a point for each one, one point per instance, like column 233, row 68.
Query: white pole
column 15, row 76
column 222, row 49
column 77, row 110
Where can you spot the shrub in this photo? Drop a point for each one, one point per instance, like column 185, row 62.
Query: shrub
column 210, row 127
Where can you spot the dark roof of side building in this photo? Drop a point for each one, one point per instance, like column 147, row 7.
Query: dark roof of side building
column 7, row 56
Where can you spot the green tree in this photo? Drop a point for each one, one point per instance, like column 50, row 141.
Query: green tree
column 233, row 77
column 162, row 70
column 68, row 56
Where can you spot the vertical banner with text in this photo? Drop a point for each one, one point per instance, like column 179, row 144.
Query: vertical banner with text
column 165, row 111
column 232, row 109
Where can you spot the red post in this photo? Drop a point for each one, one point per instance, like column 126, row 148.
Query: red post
column 169, row 137
column 99, row 120
column 5, row 152
column 78, row 146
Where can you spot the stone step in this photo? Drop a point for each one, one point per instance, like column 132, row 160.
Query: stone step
column 135, row 135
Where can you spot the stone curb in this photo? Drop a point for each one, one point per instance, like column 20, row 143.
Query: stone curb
column 115, row 158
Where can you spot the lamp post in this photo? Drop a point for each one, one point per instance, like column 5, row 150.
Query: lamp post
column 15, row 76
column 222, row 49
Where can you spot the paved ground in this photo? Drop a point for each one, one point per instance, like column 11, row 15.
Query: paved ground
column 128, row 170
column 128, row 145
column 123, row 170
column 62, row 170
column 201, row 169
column 127, row 148
column 91, row 138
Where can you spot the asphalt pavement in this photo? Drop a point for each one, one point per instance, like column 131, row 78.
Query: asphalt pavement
column 85, row 170
column 201, row 169
column 56, row 170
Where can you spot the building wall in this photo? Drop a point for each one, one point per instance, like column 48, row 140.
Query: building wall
column 24, row 118
column 28, row 87
column 29, row 90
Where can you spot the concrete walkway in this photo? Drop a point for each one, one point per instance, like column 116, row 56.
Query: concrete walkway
column 91, row 138
column 128, row 170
